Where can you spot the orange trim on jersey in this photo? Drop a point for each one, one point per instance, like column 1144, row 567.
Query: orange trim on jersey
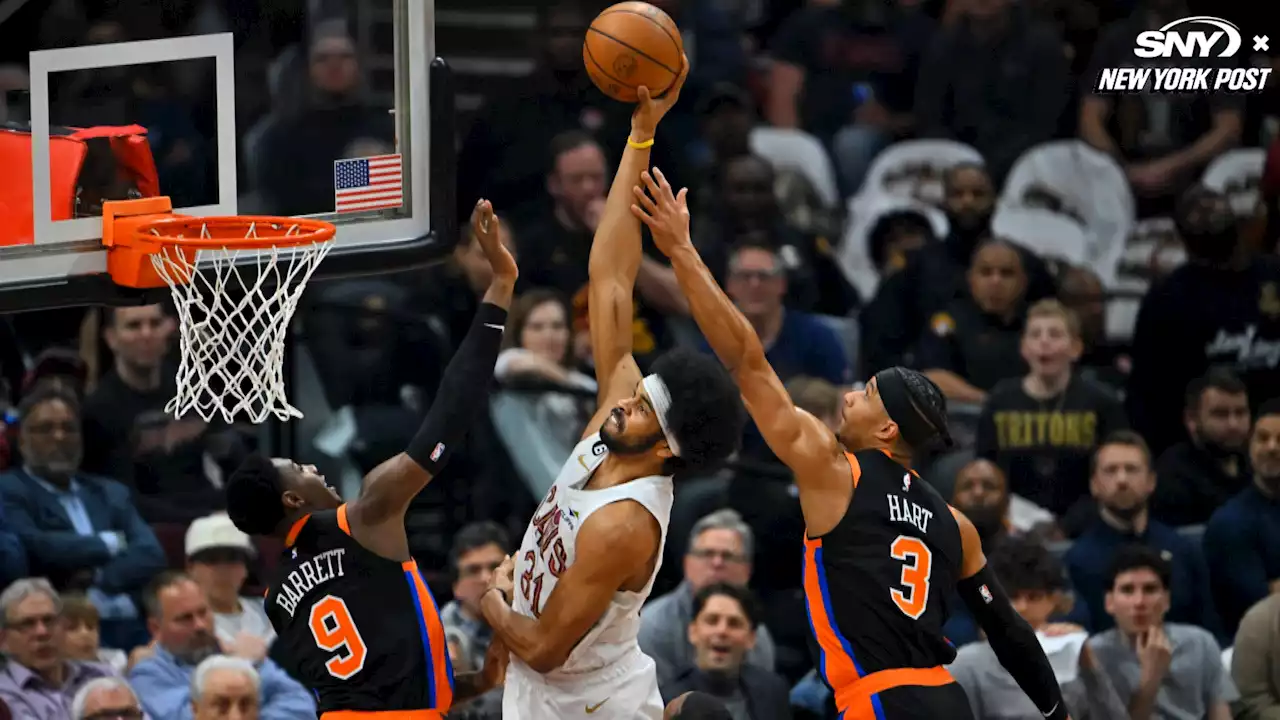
column 437, row 645
column 342, row 519
column 857, row 701
column 292, row 537
column 836, row 661
column 383, row 715
column 854, row 468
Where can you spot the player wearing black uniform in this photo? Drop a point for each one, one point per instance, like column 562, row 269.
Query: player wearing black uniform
column 357, row 622
column 882, row 548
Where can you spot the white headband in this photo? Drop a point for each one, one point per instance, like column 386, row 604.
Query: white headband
column 660, row 398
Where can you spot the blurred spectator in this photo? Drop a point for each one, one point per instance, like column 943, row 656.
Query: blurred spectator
column 82, row 636
column 1199, row 474
column 540, row 344
column 13, row 555
column 935, row 275
column 183, row 638
column 846, row 72
column 218, row 557
column 896, row 237
column 81, row 530
column 108, row 698
column 37, row 680
column 1242, row 538
column 744, row 211
column 1220, row 309
column 129, row 437
column 1122, row 484
column 1160, row 669
column 1163, row 140
column 554, row 250
column 1037, row 586
column 1042, row 428
column 817, row 397
column 456, row 286
column 59, row 366
column 295, row 172
column 972, row 343
column 720, row 551
column 982, row 494
column 796, row 343
column 722, row 632
column 997, row 80
column 478, row 550
column 1255, row 659
column 1101, row 360
column 226, row 688
column 727, row 115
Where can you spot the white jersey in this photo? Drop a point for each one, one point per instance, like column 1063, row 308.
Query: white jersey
column 549, row 547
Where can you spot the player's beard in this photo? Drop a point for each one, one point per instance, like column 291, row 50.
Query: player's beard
column 627, row 446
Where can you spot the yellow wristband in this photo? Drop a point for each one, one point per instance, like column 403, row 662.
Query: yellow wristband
column 640, row 145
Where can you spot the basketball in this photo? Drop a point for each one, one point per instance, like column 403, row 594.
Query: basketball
column 632, row 44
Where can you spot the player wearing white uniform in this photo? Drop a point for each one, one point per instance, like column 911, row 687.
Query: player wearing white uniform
column 568, row 605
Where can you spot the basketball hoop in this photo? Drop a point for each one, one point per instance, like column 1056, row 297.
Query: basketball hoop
column 236, row 282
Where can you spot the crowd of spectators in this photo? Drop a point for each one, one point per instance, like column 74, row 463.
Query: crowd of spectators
column 1091, row 280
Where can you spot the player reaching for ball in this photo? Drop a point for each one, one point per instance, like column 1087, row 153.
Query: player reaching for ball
column 568, row 605
column 355, row 617
column 882, row 548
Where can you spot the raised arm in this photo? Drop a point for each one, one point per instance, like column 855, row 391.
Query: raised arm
column 799, row 439
column 377, row 516
column 616, row 256
column 1014, row 642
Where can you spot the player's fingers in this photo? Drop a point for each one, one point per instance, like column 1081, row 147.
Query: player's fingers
column 645, row 201
column 682, row 198
column 647, row 179
column 642, row 215
column 662, row 182
column 642, row 93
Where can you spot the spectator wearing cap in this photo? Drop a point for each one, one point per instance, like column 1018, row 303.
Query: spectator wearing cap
column 1242, row 538
column 37, row 681
column 80, row 530
column 218, row 557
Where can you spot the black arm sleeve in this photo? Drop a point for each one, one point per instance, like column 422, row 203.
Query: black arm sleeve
column 1014, row 642
column 460, row 398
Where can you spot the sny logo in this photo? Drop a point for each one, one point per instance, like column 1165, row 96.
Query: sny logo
column 1221, row 39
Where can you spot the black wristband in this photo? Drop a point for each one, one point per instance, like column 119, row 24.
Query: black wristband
column 456, row 406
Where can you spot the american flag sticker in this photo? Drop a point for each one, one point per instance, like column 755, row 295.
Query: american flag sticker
column 371, row 183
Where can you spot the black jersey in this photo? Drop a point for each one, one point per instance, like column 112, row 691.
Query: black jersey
column 876, row 585
column 361, row 631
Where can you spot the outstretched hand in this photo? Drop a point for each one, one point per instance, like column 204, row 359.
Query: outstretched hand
column 485, row 225
column 650, row 110
column 666, row 213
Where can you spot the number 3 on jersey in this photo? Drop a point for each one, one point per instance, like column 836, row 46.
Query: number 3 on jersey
column 335, row 631
column 917, row 562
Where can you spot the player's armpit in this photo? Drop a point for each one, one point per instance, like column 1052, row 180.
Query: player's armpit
column 615, row 546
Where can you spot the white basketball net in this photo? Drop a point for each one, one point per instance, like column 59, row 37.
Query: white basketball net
column 233, row 325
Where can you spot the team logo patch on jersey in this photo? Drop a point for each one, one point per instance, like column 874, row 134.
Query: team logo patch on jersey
column 598, row 449
column 986, row 594
column 906, row 482
column 437, row 452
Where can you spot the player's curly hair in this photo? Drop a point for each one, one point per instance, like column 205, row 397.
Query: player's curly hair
column 253, row 496
column 706, row 414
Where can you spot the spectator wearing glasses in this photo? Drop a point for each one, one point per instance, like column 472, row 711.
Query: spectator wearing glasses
column 478, row 550
column 720, row 551
column 108, row 698
column 37, row 681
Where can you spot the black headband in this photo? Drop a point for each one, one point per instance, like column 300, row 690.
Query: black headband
column 914, row 427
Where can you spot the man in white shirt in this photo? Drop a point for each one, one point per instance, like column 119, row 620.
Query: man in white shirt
column 218, row 556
